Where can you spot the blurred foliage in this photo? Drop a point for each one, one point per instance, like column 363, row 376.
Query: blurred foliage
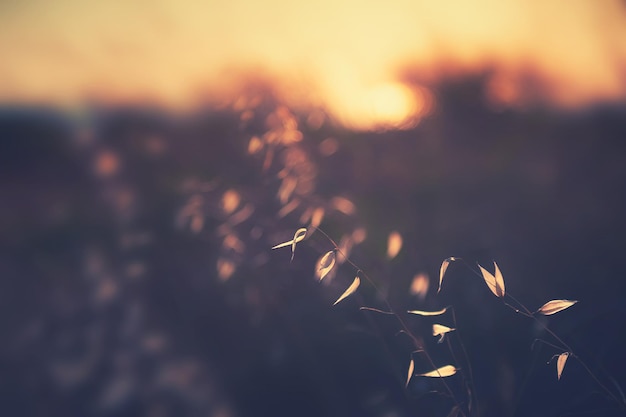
column 137, row 277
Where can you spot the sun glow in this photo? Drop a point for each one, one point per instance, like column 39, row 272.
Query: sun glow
column 345, row 57
column 383, row 106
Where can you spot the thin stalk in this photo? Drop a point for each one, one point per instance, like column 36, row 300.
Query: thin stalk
column 526, row 312
column 418, row 344
column 469, row 382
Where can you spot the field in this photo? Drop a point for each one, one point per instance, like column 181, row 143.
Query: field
column 137, row 276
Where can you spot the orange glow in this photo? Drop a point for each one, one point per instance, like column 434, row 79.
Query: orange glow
column 230, row 201
column 106, row 163
column 419, row 285
column 388, row 105
column 344, row 57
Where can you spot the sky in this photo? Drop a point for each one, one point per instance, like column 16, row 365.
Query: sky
column 348, row 57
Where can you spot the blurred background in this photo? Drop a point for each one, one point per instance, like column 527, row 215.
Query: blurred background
column 151, row 155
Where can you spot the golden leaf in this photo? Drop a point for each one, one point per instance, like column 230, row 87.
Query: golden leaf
column 394, row 244
column 410, row 373
column 499, row 279
column 325, row 265
column 495, row 283
column 555, row 306
column 447, row 370
column 351, row 289
column 282, row 245
column 428, row 313
column 560, row 364
column 297, row 237
column 442, row 270
column 441, row 330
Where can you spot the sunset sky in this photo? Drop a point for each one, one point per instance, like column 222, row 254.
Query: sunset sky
column 347, row 56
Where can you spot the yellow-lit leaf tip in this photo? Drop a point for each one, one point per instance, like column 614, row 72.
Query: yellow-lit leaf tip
column 554, row 306
column 410, row 373
column 560, row 364
column 495, row 283
column 297, row 237
column 441, row 330
column 325, row 265
column 444, row 371
column 351, row 289
column 499, row 281
column 428, row 313
column 442, row 270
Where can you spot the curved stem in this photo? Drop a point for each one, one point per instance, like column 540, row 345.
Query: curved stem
column 469, row 382
column 417, row 343
column 526, row 312
column 595, row 378
column 532, row 346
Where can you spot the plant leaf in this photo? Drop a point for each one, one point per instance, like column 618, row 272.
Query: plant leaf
column 442, row 270
column 495, row 283
column 555, row 306
column 325, row 265
column 297, row 237
column 441, row 330
column 410, row 373
column 499, row 279
column 428, row 313
column 351, row 289
column 447, row 370
column 282, row 245
column 560, row 364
